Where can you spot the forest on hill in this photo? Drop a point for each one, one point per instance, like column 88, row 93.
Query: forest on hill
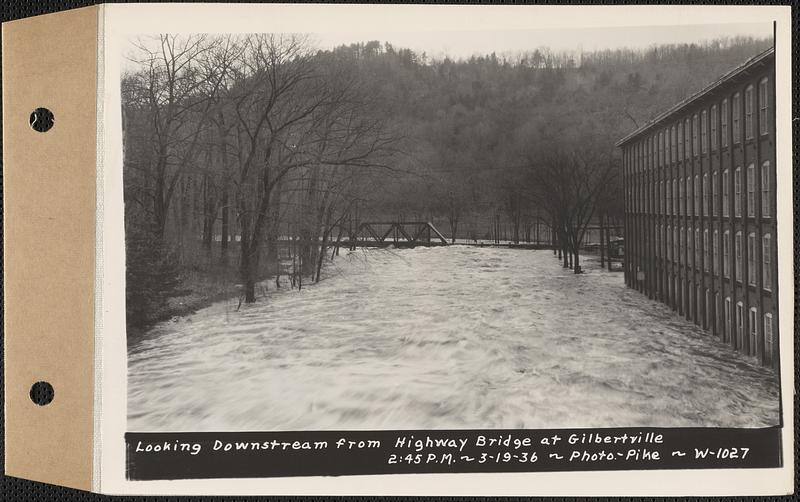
column 248, row 157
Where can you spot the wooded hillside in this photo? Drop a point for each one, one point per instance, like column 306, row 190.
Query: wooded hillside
column 248, row 157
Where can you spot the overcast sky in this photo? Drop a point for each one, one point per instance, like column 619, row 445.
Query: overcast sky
column 463, row 44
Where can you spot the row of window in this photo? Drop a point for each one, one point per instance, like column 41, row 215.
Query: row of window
column 678, row 246
column 681, row 140
column 752, row 323
column 723, row 323
column 682, row 197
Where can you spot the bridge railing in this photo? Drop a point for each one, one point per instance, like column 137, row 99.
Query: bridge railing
column 411, row 233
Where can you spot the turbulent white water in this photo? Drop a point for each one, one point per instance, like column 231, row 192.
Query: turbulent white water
column 447, row 337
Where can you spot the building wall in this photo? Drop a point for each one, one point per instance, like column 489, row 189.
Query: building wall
column 700, row 185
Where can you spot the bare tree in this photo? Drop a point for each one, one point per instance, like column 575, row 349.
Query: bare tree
column 291, row 114
column 174, row 93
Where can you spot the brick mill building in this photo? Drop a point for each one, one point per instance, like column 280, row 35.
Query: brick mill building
column 700, row 209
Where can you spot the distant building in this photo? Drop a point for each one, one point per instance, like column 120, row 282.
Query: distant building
column 700, row 209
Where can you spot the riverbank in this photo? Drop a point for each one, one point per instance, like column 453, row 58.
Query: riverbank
column 200, row 287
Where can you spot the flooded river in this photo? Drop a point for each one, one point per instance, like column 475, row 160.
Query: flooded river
column 445, row 337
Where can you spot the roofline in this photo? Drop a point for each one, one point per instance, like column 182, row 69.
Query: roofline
column 742, row 68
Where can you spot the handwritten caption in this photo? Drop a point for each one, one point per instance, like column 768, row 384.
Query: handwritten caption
column 264, row 454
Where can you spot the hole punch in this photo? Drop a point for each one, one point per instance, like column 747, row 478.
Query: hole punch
column 42, row 393
column 42, row 120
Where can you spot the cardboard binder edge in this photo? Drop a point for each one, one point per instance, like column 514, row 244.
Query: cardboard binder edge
column 49, row 244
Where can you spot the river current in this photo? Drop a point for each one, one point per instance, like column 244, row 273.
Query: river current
column 442, row 338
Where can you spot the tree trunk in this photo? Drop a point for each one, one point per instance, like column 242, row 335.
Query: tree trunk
column 250, row 242
column 223, row 160
column 248, row 266
column 602, row 244
column 160, row 204
column 608, row 246
column 323, row 248
column 224, row 240
column 556, row 243
column 335, row 251
column 209, row 216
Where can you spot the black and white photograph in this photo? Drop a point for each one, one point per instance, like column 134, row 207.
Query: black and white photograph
column 521, row 229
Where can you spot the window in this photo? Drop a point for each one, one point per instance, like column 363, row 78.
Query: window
column 714, row 193
column 751, row 190
column 638, row 154
column 698, row 298
column 681, row 196
column 687, row 151
column 725, row 190
column 706, row 188
column 681, row 244
column 689, row 246
column 737, row 247
column 668, row 199
column 652, row 152
column 739, row 325
column 703, row 133
column 667, row 243
column 697, row 248
column 737, row 110
column 715, row 253
column 766, row 260
column 675, row 245
column 763, row 106
column 737, row 192
column 714, row 128
column 705, row 250
column 724, row 122
column 765, row 178
column 675, row 196
column 658, row 239
column 660, row 149
column 673, row 284
column 688, row 204
column 726, row 253
column 697, row 210
column 752, row 345
column 707, row 309
column 679, row 140
column 748, row 112
column 673, row 145
column 727, row 318
column 695, row 149
column 768, row 337
column 751, row 259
